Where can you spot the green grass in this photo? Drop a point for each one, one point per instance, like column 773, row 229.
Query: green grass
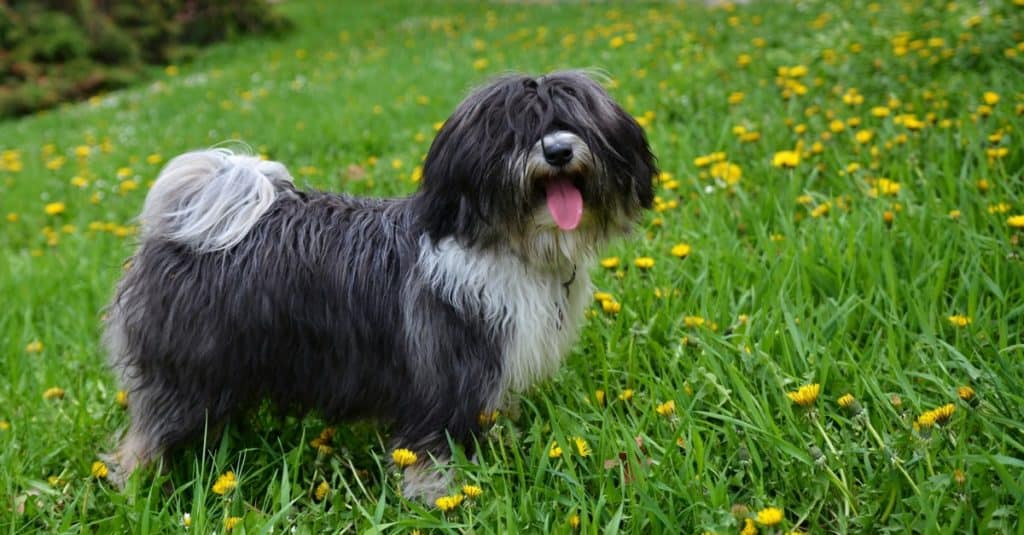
column 844, row 300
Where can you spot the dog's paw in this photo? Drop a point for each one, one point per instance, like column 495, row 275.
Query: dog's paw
column 426, row 482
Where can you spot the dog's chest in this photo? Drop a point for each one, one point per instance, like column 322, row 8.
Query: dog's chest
column 537, row 314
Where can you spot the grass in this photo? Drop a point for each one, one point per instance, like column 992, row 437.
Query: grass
column 817, row 274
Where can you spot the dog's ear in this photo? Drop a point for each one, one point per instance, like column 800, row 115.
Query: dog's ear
column 637, row 166
column 456, row 193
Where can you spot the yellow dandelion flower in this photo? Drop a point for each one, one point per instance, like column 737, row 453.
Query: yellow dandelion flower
column 186, row 520
column 786, row 159
column 616, row 42
column 644, row 262
column 864, row 136
column 958, row 320
column 99, row 470
column 35, row 346
column 230, row 522
column 403, row 457
column 582, row 448
column 574, row 521
column 121, row 398
column 749, row 528
column 693, row 321
column 1016, row 221
column 54, row 208
column 225, row 483
column 769, row 516
column 806, row 395
column 666, row 409
column 925, row 420
column 599, row 397
column 53, row 392
column 880, row 111
column 944, row 413
column 611, row 306
column 480, row 64
column 5, row 425
column 321, row 491
column 727, row 172
column 681, row 250
column 555, row 451
column 154, row 159
column 472, row 491
column 846, row 401
column 447, row 503
column 965, row 393
column 991, row 98
column 736, row 97
column 626, row 394
column 611, row 262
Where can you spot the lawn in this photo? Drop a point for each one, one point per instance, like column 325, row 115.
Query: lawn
column 821, row 318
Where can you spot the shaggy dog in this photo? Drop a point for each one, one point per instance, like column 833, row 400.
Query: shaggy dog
column 424, row 312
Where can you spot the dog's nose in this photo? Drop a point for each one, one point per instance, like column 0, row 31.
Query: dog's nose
column 557, row 152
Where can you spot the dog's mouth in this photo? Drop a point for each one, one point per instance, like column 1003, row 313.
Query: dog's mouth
column 563, row 196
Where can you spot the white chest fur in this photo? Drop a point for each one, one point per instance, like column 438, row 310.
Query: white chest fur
column 535, row 310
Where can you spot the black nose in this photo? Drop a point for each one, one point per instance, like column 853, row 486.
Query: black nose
column 557, row 152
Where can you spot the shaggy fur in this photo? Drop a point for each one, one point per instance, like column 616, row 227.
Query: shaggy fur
column 423, row 312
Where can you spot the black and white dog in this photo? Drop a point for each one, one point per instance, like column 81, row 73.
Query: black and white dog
column 424, row 311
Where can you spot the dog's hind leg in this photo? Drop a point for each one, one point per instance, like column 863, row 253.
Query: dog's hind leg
column 162, row 418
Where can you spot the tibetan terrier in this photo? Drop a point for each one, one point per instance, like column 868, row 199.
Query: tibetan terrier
column 424, row 312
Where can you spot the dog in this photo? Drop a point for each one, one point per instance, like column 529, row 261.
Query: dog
column 423, row 312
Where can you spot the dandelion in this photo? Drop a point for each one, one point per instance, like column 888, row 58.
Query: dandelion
column 944, row 413
column 611, row 306
column 958, row 320
column 736, row 97
column 991, row 98
column 121, row 398
column 727, row 172
column 666, row 409
column 99, row 470
column 447, row 503
column 682, row 250
column 403, row 457
column 1016, row 221
column 480, row 64
column 626, row 394
column 186, row 520
column 472, row 491
column 35, row 346
column 806, row 395
column 599, row 397
column 954, row 214
column 786, row 159
column 864, row 137
column 154, row 159
column 769, row 516
column 616, row 42
column 53, row 392
column 230, row 522
column 54, row 208
column 965, row 393
column 693, row 321
column 225, row 483
column 555, row 451
column 850, row 403
column 574, row 521
column 321, row 491
column 748, row 527
column 644, row 262
column 322, row 443
column 582, row 448
column 611, row 262
column 5, row 425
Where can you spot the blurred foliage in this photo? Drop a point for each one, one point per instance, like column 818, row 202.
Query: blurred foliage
column 57, row 50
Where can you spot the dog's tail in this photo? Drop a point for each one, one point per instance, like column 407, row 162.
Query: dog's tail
column 210, row 199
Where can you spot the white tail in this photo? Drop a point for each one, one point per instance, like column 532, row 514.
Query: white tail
column 210, row 199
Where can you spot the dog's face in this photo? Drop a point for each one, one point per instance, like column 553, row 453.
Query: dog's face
column 537, row 163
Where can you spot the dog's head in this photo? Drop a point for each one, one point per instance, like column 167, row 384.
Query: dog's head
column 542, row 163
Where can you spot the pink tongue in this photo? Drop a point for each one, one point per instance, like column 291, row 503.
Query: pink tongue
column 565, row 203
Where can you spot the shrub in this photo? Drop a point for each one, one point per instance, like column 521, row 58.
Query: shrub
column 56, row 50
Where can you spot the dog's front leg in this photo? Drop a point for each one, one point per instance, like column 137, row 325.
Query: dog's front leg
column 458, row 378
